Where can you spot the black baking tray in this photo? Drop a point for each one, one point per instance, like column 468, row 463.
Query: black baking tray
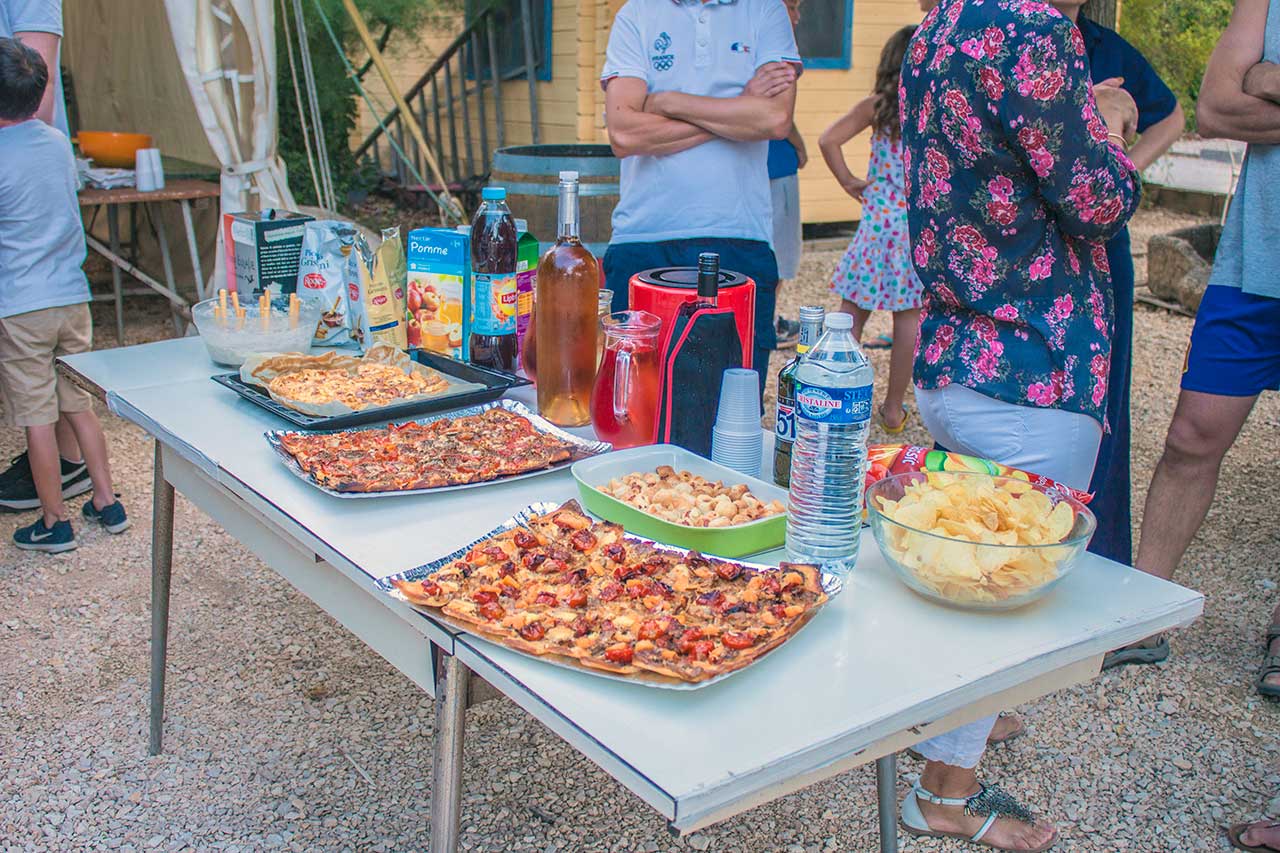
column 495, row 382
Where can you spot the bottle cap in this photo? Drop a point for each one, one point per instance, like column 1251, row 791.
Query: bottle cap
column 708, row 274
column 839, row 320
column 812, row 313
column 567, row 175
column 493, row 193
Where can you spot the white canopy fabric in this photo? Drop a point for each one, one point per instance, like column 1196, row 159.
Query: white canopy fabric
column 236, row 104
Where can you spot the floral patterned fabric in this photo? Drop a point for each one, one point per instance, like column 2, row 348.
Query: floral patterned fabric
column 1013, row 189
column 876, row 272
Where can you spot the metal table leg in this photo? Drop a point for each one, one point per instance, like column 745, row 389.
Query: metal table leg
column 446, row 770
column 193, row 247
column 887, row 801
column 113, row 230
column 156, row 215
column 161, row 570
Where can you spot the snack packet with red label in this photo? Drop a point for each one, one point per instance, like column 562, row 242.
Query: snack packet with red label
column 885, row 460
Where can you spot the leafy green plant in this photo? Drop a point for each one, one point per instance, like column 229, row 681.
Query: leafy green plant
column 337, row 96
column 1177, row 37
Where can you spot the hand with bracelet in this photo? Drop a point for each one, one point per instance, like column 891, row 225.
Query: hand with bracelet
column 1117, row 109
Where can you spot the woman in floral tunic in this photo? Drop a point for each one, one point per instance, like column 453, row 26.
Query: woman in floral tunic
column 1016, row 175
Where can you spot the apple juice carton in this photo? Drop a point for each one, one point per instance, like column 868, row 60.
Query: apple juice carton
column 526, row 279
column 438, row 309
column 263, row 249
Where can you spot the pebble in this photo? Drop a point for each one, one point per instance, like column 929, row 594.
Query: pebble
column 267, row 694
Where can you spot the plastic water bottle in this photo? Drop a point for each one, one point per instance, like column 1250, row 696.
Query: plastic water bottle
column 828, row 459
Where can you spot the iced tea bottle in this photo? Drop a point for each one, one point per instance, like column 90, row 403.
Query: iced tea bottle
column 493, row 278
column 565, row 330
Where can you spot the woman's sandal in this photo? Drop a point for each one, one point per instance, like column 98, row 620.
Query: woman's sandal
column 889, row 430
column 1234, row 833
column 1270, row 666
column 990, row 800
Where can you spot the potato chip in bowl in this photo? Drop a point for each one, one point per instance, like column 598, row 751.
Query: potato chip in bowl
column 975, row 540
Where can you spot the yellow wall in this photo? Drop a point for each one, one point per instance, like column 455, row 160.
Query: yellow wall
column 825, row 94
column 571, row 104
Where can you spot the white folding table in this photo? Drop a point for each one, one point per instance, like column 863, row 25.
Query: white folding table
column 879, row 670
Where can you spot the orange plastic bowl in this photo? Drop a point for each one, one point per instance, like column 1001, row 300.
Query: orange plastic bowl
column 112, row 150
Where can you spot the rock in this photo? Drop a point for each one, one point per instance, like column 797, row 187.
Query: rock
column 699, row 842
column 1179, row 263
column 1273, row 807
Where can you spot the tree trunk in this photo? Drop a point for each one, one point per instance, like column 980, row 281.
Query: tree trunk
column 1105, row 12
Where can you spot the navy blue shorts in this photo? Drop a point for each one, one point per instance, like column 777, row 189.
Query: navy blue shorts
column 1235, row 345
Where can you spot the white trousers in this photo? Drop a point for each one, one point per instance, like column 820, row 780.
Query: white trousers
column 1060, row 445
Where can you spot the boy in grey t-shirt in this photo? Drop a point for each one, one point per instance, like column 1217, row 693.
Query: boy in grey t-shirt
column 44, row 296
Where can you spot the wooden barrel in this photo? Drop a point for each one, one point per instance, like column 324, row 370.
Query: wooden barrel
column 531, row 175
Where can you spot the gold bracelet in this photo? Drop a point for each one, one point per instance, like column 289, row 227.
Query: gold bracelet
column 1118, row 138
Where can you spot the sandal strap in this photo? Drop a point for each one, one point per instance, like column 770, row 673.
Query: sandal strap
column 1270, row 665
column 994, row 800
column 924, row 794
column 991, row 818
column 1273, row 634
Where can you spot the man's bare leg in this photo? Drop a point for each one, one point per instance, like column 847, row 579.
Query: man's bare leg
column 94, row 443
column 46, row 471
column 68, row 447
column 1203, row 429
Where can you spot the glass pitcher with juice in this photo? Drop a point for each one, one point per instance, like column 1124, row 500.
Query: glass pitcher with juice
column 624, row 403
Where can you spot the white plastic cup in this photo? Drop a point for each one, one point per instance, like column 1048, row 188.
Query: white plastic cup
column 148, row 171
column 737, row 450
column 739, row 398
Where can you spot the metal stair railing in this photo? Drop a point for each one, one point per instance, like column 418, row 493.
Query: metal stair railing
column 458, row 88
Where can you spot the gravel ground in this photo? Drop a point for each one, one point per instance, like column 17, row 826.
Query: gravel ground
column 284, row 732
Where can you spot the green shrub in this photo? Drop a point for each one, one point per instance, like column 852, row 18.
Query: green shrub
column 338, row 98
column 1177, row 37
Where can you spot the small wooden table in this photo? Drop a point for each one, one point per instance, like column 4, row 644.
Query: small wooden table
column 183, row 192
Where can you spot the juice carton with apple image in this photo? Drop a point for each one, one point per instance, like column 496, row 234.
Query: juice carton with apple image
column 437, row 312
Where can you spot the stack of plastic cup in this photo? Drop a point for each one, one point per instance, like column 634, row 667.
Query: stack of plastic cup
column 149, row 173
column 736, row 438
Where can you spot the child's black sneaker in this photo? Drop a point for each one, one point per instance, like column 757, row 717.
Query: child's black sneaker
column 51, row 540
column 111, row 516
column 18, row 490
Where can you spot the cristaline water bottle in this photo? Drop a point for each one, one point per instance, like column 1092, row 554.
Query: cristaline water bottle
column 833, row 414
column 566, row 327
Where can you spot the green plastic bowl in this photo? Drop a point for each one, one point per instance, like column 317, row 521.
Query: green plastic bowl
column 736, row 541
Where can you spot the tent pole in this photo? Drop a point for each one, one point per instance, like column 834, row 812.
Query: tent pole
column 385, row 73
column 297, row 99
column 330, row 201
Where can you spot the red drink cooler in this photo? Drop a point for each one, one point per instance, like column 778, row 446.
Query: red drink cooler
column 661, row 291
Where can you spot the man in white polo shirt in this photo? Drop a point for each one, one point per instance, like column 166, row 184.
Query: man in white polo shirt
column 694, row 91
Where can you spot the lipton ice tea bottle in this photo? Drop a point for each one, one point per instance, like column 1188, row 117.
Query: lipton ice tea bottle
column 567, row 318
column 493, row 278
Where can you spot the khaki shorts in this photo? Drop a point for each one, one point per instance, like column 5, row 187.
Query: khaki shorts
column 29, row 343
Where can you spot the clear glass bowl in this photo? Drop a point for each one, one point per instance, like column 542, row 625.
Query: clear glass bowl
column 231, row 342
column 974, row 575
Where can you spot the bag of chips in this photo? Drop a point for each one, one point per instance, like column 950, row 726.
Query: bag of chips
column 380, row 292
column 327, row 266
column 885, row 460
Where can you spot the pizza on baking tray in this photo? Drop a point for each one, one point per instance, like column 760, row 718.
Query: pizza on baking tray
column 565, row 586
column 445, row 452
column 371, row 384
